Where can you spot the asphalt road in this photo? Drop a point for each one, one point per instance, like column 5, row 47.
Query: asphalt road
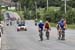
column 0, row 42
column 29, row 40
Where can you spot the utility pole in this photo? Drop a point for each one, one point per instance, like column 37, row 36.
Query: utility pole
column 47, row 4
column 36, row 8
column 24, row 10
column 65, row 5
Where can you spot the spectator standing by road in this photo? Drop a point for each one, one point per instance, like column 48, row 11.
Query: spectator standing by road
column 36, row 22
column 1, row 29
column 0, row 32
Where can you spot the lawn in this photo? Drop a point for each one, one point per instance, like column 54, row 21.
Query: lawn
column 71, row 26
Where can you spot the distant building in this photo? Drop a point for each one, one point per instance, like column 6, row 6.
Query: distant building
column 7, row 2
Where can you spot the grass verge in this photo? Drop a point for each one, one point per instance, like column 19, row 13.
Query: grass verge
column 70, row 26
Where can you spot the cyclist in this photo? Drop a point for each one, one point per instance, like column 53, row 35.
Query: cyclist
column 61, row 26
column 47, row 28
column 40, row 25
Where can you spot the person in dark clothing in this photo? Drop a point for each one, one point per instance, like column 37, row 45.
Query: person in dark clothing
column 10, row 22
column 35, row 22
column 1, row 29
column 40, row 26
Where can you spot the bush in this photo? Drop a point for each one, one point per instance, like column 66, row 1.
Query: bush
column 70, row 16
column 1, row 18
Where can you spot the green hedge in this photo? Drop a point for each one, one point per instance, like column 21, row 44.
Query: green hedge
column 56, row 13
column 1, row 18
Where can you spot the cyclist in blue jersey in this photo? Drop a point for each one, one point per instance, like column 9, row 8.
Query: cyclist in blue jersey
column 40, row 26
column 61, row 29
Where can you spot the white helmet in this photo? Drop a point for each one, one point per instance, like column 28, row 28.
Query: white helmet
column 41, row 21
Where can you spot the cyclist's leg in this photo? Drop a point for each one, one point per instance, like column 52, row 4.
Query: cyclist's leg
column 59, row 35
column 41, row 35
column 63, row 34
column 47, row 34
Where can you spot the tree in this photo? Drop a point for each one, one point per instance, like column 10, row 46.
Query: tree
column 1, row 18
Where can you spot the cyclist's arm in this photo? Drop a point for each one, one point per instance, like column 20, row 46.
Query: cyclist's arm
column 65, row 26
